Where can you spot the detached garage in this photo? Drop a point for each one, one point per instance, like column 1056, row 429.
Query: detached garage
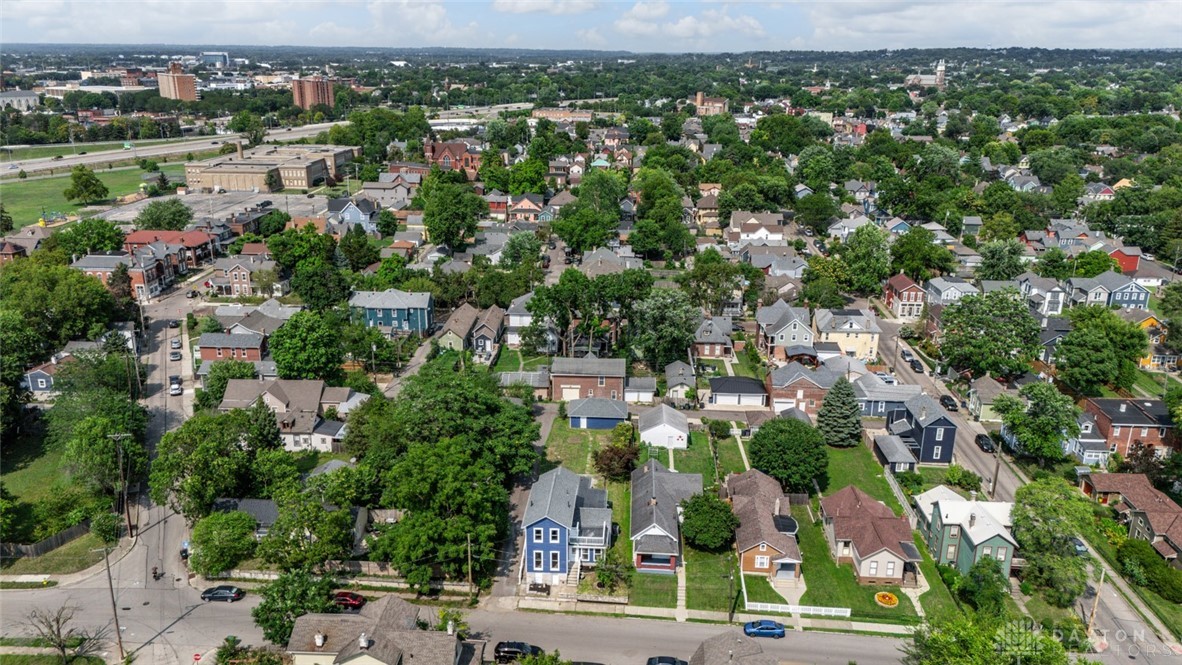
column 737, row 391
column 596, row 413
column 664, row 427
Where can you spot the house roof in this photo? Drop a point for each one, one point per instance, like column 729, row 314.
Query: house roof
column 536, row 379
column 641, row 383
column 230, row 341
column 822, row 377
column 846, row 320
column 597, row 407
column 264, row 511
column 679, row 373
column 293, row 394
column 893, row 450
column 257, row 322
column 868, row 524
column 757, row 499
column 518, row 306
column 779, row 314
column 560, row 494
column 663, row 415
column 731, row 648
column 978, row 520
column 492, row 318
column 461, row 321
column 714, row 331
column 925, row 409
column 389, row 623
column 1135, row 490
column 736, row 385
column 987, row 389
column 588, row 366
column 902, row 282
column 656, row 494
column 390, row 299
column 1134, row 412
column 871, row 388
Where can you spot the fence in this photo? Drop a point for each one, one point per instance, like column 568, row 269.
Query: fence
column 798, row 499
column 912, row 518
column 15, row 551
column 799, row 609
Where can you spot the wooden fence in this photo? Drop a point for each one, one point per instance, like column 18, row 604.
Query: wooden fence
column 16, row 551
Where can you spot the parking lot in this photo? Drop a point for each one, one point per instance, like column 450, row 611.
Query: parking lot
column 219, row 206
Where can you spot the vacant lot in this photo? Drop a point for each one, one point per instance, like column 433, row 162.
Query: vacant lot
column 27, row 200
column 711, row 580
column 573, row 448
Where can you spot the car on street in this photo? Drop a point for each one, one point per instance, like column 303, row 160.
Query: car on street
column 916, row 365
column 176, row 389
column 348, row 600
column 223, row 592
column 507, row 652
column 174, row 355
column 173, row 323
column 907, row 355
column 763, row 628
column 552, row 245
column 948, row 402
column 821, row 248
column 545, row 261
column 174, row 343
column 808, row 231
column 985, row 443
column 665, row 660
column 1079, row 547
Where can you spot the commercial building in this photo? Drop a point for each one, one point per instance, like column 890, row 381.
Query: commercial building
column 176, row 84
column 290, row 166
column 309, row 92
column 216, row 59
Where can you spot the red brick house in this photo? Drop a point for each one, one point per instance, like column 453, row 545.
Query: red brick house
column 1151, row 515
column 236, row 275
column 1122, row 422
column 575, row 378
column 712, row 339
column 149, row 275
column 227, row 346
column 1128, row 258
column 797, row 386
column 190, row 248
column 453, row 156
column 904, row 297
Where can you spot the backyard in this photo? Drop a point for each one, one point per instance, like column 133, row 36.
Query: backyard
column 510, row 360
column 697, row 458
column 573, row 448
column 857, row 466
column 730, row 460
column 27, row 200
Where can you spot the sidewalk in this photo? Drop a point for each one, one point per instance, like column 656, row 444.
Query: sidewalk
column 125, row 546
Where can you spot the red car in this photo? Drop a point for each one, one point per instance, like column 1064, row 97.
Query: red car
column 348, row 600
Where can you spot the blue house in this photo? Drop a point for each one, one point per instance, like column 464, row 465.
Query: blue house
column 395, row 311
column 349, row 212
column 567, row 525
column 877, row 398
column 925, row 427
column 596, row 413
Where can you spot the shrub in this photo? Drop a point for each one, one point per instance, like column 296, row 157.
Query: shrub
column 1026, row 588
column 910, row 481
column 561, row 407
column 958, row 476
column 105, row 526
column 949, row 575
column 719, row 429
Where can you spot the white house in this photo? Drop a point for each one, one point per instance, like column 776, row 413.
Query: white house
column 665, row 427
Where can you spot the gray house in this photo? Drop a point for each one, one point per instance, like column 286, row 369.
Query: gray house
column 878, row 398
column 349, row 212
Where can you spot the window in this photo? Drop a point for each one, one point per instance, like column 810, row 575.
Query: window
column 939, row 433
column 950, row 555
column 986, row 552
column 936, row 452
column 1001, row 554
column 555, row 560
column 219, row 353
column 762, row 562
column 1144, row 431
column 537, row 561
column 954, row 531
column 537, row 535
column 554, row 535
column 890, row 568
column 873, row 568
column 1116, row 430
column 613, row 394
column 763, row 547
column 602, row 381
column 41, row 383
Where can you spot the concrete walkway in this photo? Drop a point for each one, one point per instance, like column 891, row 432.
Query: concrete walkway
column 672, row 465
column 681, row 613
column 743, row 453
column 915, row 592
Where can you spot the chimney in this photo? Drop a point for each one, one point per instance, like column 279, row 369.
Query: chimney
column 972, row 520
column 319, row 640
column 972, row 495
column 451, row 627
column 699, row 98
column 363, row 641
column 652, row 501
column 1122, row 407
column 239, row 144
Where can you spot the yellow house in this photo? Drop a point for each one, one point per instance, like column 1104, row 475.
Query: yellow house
column 1158, row 357
column 854, row 331
column 384, row 632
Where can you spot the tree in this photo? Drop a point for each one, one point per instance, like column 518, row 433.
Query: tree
column 294, row 246
column 1001, row 259
column 200, row 462
column 584, row 228
column 792, row 452
column 618, row 458
column 1039, row 420
column 1053, row 264
column 357, row 250
column 528, row 177
column 554, row 658
column 262, row 432
column 387, row 222
column 308, row 346
column 1094, row 262
column 57, row 302
column 273, row 222
column 73, row 407
column 613, row 570
column 94, row 234
column 319, row 284
column 450, row 212
column 708, row 523
column 521, row 249
column 6, row 224
column 1122, row 343
column 840, row 418
column 249, row 125
column 85, row 186
column 1084, row 361
column 815, row 211
column 917, row 254
column 985, row 587
column 220, row 541
column 992, row 333
column 56, row 629
column 105, row 526
column 982, row 640
column 290, row 596
column 868, row 256
column 711, row 282
column 167, row 215
column 1047, row 514
column 307, row 534
column 96, row 450
column 663, row 327
column 220, row 373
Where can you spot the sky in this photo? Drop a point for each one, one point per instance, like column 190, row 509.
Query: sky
column 639, row 26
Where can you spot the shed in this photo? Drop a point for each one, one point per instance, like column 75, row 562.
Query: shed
column 665, row 427
column 596, row 413
column 892, row 452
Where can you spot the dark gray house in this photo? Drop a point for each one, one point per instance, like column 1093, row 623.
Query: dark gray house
column 878, row 398
column 924, row 426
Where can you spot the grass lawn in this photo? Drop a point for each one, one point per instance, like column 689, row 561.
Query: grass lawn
column 306, row 462
column 759, row 590
column 572, row 448
column 1149, row 382
column 652, row 590
column 509, row 360
column 536, row 362
column 857, row 466
column 708, row 584
column 45, row 659
column 30, row 469
column 1044, row 613
column 697, row 458
column 730, row 460
column 718, row 367
column 72, row 557
column 25, row 199
column 933, row 476
column 937, row 601
column 831, row 585
column 743, row 367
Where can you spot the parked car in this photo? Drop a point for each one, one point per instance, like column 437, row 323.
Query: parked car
column 175, row 380
column 822, row 249
column 1079, row 547
column 174, row 355
column 176, row 389
column 907, row 355
column 949, row 403
column 224, row 592
column 665, row 660
column 348, row 600
column 985, row 443
column 173, row 323
column 764, row 628
column 545, row 261
column 916, row 366
column 174, row 343
column 552, row 245
column 507, row 652
column 191, row 294
column 808, row 231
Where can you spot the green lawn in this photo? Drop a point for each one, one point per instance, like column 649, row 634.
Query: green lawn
column 45, row 659
column 309, row 460
column 708, row 580
column 509, row 360
column 933, row 476
column 30, row 468
column 26, row 199
column 718, row 367
column 857, row 466
column 697, row 458
column 937, row 601
column 759, row 590
column 831, row 585
column 1150, row 382
column 730, row 460
column 72, row 557
column 653, row 590
column 66, row 149
column 572, row 448
column 1044, row 613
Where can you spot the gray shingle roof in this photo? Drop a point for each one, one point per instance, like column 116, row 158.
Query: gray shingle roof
column 264, row 511
column 714, row 331
column 823, row 377
column 561, row 495
column 230, row 341
column 894, row 451
column 538, row 379
column 838, row 320
column 872, row 388
column 679, row 373
column 641, row 383
column 588, row 366
column 656, row 494
column 663, row 415
column 925, row 409
column 597, row 407
column 390, row 299
column 731, row 648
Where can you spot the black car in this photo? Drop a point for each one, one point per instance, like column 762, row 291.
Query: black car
column 916, row 366
column 552, row 245
column 949, row 403
column 665, row 660
column 173, row 323
column 985, row 443
column 507, row 652
column 224, row 592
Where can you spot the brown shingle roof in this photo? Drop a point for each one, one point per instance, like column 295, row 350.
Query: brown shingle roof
column 867, row 523
column 1135, row 490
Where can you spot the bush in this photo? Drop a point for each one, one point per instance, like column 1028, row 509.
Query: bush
column 949, row 575
column 709, row 524
column 1026, row 588
column 1145, row 567
column 958, row 476
column 910, row 481
column 561, row 407
column 105, row 526
column 719, row 429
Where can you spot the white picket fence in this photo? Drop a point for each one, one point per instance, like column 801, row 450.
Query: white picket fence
column 799, row 609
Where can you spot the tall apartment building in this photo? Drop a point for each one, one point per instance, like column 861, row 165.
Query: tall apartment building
column 176, row 84
column 309, row 92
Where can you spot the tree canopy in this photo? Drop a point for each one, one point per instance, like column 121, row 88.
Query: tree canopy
column 792, row 452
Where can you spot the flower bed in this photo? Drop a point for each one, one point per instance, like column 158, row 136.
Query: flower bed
column 886, row 599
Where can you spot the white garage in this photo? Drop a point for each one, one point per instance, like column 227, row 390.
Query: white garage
column 664, row 427
column 737, row 392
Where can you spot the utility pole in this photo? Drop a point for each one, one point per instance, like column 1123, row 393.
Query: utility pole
column 470, row 564
column 996, row 470
column 114, row 611
column 1096, row 601
column 118, row 439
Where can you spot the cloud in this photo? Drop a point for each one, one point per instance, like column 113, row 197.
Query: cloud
column 591, row 37
column 641, row 19
column 556, row 7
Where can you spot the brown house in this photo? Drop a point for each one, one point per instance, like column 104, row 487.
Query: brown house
column 453, row 156
column 1123, row 422
column 904, row 297
column 1151, row 515
column 10, row 251
column 575, row 378
column 766, row 537
column 227, row 346
column 864, row 532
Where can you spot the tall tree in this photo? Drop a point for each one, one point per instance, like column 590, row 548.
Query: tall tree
column 792, row 452
column 294, row 246
column 308, row 346
column 1039, row 419
column 94, row 234
column 1085, row 362
column 222, row 540
column 290, row 596
column 868, row 257
column 1127, row 343
column 917, row 254
column 249, row 125
column 319, row 284
column 1047, row 514
column 664, row 327
column 711, row 282
column 992, row 333
column 1053, row 264
column 6, row 224
column 357, row 250
column 1001, row 259
column 220, row 373
column 1094, row 262
column 199, row 462
column 840, row 418
column 101, row 456
column 85, row 186
column 708, row 522
column 450, row 213
column 307, row 534
column 168, row 215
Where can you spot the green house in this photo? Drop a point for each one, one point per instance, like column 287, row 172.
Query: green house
column 959, row 531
